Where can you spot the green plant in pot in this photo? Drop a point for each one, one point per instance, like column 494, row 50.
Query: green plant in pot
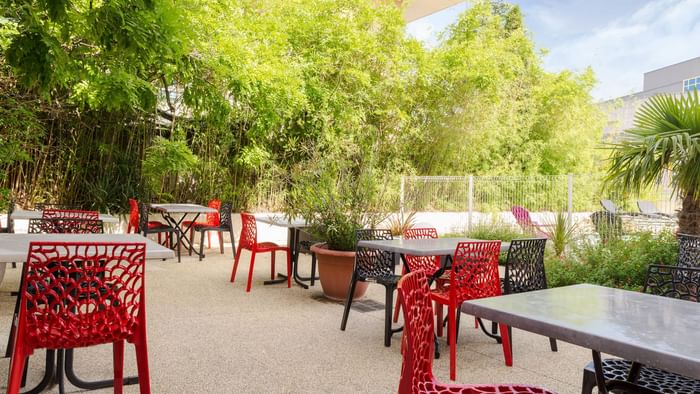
column 336, row 200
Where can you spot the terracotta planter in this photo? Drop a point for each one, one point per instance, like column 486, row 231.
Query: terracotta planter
column 335, row 272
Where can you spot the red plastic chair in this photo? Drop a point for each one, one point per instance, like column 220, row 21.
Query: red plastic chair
column 522, row 216
column 249, row 241
column 133, row 225
column 474, row 274
column 69, row 214
column 418, row 346
column 213, row 220
column 82, row 294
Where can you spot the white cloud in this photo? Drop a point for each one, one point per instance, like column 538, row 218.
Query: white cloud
column 661, row 33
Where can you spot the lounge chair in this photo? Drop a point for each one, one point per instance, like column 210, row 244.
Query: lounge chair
column 648, row 208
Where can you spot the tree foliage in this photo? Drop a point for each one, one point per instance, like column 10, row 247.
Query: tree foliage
column 256, row 90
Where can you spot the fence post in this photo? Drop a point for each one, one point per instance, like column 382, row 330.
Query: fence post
column 470, row 202
column 401, row 198
column 570, row 199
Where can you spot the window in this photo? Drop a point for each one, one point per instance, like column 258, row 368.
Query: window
column 691, row 84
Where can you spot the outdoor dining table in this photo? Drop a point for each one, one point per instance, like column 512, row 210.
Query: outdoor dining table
column 660, row 332
column 294, row 228
column 168, row 210
column 14, row 248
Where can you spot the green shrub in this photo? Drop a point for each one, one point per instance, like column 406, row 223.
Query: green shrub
column 618, row 263
column 494, row 231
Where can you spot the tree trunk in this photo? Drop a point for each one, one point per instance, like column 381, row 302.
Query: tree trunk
column 689, row 216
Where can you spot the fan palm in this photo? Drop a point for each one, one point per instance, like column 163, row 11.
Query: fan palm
column 665, row 139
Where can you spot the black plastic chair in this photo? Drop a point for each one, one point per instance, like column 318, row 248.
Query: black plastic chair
column 304, row 246
column 688, row 251
column 225, row 224
column 665, row 281
column 375, row 266
column 65, row 226
column 525, row 271
column 164, row 229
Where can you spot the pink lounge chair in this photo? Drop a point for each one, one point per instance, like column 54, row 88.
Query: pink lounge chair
column 522, row 216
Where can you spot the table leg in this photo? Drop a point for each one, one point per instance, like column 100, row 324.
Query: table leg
column 49, row 373
column 298, row 278
column 94, row 385
column 599, row 375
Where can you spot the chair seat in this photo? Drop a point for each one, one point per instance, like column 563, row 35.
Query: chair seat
column 436, row 387
column 155, row 224
column 267, row 246
column 649, row 377
column 56, row 335
column 391, row 280
column 188, row 223
column 206, row 227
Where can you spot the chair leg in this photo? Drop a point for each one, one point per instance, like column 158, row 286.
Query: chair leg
column 17, row 362
column 494, row 328
column 272, row 265
column 589, row 382
column 348, row 302
column 289, row 268
column 191, row 237
column 505, row 336
column 250, row 272
column 313, row 268
column 221, row 241
column 397, row 308
column 459, row 314
column 451, row 329
column 440, row 317
column 179, row 249
column 60, row 369
column 118, row 356
column 388, row 303
column 160, row 241
column 233, row 240
column 208, row 240
column 201, row 246
column 553, row 344
column 142, row 366
column 236, row 258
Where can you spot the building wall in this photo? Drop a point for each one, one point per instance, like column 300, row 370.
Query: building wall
column 669, row 79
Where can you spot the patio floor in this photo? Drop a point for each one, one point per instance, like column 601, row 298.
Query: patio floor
column 207, row 335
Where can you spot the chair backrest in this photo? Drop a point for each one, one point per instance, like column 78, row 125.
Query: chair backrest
column 40, row 206
column 675, row 282
column 417, row 344
column 224, row 216
column 69, row 214
column 688, row 250
column 65, row 226
column 134, row 213
column 525, row 266
column 372, row 263
column 609, row 206
column 81, row 294
column 430, row 264
column 647, row 207
column 144, row 208
column 249, row 231
column 213, row 218
column 474, row 272
column 522, row 216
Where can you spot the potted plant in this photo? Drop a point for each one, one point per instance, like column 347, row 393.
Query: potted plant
column 335, row 200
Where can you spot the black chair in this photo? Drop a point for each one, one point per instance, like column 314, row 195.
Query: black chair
column 665, row 281
column 688, row 251
column 304, row 246
column 375, row 266
column 525, row 271
column 65, row 226
column 225, row 224
column 164, row 229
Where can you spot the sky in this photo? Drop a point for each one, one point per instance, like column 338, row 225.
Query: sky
column 619, row 39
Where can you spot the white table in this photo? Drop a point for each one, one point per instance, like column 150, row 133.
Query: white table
column 294, row 227
column 661, row 332
column 26, row 215
column 423, row 247
column 168, row 210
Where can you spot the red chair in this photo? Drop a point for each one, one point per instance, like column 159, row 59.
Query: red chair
column 96, row 296
column 522, row 216
column 249, row 241
column 418, row 346
column 133, row 225
column 69, row 214
column 474, row 274
column 213, row 220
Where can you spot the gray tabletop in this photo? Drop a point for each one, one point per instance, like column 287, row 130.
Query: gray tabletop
column 26, row 215
column 182, row 208
column 653, row 330
column 14, row 247
column 422, row 247
column 281, row 221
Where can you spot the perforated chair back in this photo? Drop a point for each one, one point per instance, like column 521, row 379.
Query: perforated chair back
column 430, row 264
column 249, row 231
column 144, row 208
column 525, row 266
column 69, row 214
column 213, row 217
column 372, row 264
column 82, row 294
column 134, row 214
column 675, row 282
column 65, row 226
column 688, row 250
column 224, row 216
column 474, row 272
